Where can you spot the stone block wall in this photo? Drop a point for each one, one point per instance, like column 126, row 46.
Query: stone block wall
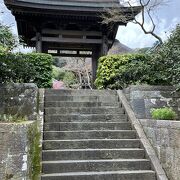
column 143, row 98
column 163, row 135
column 15, row 147
column 21, row 99
column 165, row 138
column 20, row 146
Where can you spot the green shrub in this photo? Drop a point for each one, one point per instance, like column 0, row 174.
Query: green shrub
column 167, row 58
column 26, row 68
column 161, row 67
column 58, row 73
column 43, row 66
column 163, row 114
column 69, row 79
column 118, row 71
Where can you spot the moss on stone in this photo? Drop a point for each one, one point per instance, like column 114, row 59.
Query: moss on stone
column 34, row 136
column 38, row 102
column 8, row 118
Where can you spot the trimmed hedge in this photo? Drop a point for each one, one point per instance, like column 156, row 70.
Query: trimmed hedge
column 26, row 68
column 119, row 71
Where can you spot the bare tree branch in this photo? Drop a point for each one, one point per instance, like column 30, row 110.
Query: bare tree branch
column 115, row 15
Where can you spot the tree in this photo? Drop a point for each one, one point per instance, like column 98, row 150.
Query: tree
column 148, row 7
column 8, row 41
column 167, row 57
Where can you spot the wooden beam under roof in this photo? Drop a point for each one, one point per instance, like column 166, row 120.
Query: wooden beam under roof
column 71, row 55
column 70, row 40
column 71, row 32
column 62, row 48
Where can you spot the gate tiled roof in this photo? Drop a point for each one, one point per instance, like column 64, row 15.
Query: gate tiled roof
column 79, row 3
column 65, row 5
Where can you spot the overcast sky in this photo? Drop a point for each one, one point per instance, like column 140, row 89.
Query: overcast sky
column 167, row 17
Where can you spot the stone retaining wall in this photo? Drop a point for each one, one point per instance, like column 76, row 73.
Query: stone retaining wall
column 163, row 135
column 143, row 98
column 165, row 138
column 15, row 147
column 20, row 147
column 21, row 99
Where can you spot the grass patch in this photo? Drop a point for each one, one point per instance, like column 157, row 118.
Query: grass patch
column 163, row 114
column 8, row 118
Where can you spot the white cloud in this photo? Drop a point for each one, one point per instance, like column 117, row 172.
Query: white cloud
column 133, row 36
column 166, row 18
column 167, row 27
column 132, row 2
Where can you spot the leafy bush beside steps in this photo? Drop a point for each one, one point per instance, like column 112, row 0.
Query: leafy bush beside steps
column 163, row 114
column 26, row 68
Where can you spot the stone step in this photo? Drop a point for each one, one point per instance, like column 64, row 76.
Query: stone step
column 86, row 118
column 80, row 92
column 91, row 144
column 72, row 126
column 108, row 175
column 82, row 98
column 82, row 110
column 89, row 134
column 85, row 154
column 80, row 104
column 49, row 167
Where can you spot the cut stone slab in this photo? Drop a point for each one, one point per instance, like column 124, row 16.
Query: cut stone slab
column 91, row 143
column 71, row 126
column 90, row 134
column 86, row 118
column 85, row 154
column 95, row 165
column 109, row 175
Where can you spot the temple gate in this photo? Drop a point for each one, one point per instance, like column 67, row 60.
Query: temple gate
column 68, row 28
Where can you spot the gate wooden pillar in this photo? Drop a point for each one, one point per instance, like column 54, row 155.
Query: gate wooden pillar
column 38, row 42
column 104, row 47
column 96, row 53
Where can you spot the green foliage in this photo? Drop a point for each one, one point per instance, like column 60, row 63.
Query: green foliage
column 42, row 65
column 7, row 40
column 118, row 71
column 163, row 114
column 161, row 67
column 69, row 79
column 58, row 73
column 26, row 68
column 66, row 76
column 2, row 49
column 7, row 118
column 167, row 58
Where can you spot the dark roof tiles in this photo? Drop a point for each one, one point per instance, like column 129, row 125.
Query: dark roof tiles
column 78, row 3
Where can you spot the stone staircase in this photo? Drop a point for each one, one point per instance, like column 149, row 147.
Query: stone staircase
column 87, row 136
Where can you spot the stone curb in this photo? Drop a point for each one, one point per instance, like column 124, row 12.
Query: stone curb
column 157, row 167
